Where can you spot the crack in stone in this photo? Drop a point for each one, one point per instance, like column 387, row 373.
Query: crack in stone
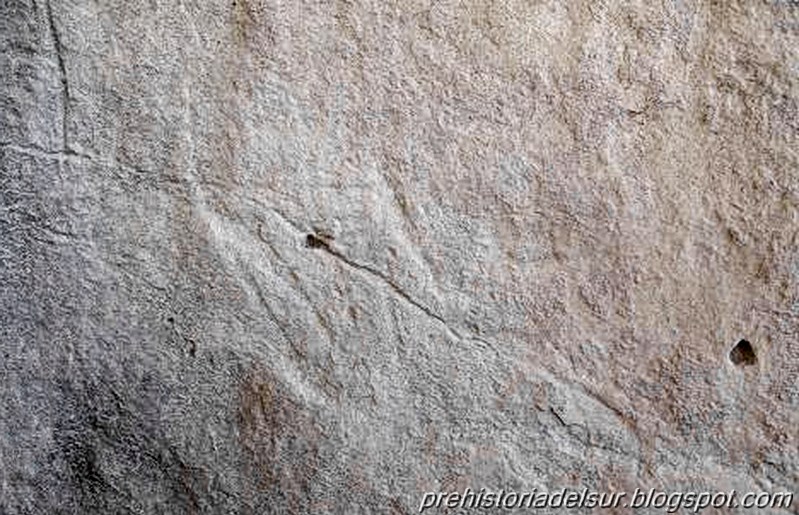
column 558, row 417
column 320, row 243
column 69, row 153
column 65, row 94
column 325, row 246
column 319, row 318
column 273, row 316
column 41, row 152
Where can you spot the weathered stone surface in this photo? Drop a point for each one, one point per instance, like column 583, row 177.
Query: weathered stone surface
column 296, row 257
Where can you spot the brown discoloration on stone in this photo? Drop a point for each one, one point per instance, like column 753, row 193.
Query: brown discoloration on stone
column 396, row 508
column 279, row 438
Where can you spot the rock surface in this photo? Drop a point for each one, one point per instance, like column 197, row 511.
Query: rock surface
column 322, row 257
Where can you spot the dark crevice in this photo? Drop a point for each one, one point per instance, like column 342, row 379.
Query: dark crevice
column 558, row 417
column 316, row 242
column 59, row 51
column 323, row 242
column 743, row 354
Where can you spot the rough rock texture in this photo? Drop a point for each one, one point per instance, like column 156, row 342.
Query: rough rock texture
column 321, row 257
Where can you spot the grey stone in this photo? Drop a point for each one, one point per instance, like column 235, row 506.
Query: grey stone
column 298, row 257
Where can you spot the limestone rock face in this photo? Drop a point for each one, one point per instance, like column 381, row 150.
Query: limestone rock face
column 322, row 257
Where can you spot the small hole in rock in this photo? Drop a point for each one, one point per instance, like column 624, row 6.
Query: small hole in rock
column 743, row 354
column 315, row 242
